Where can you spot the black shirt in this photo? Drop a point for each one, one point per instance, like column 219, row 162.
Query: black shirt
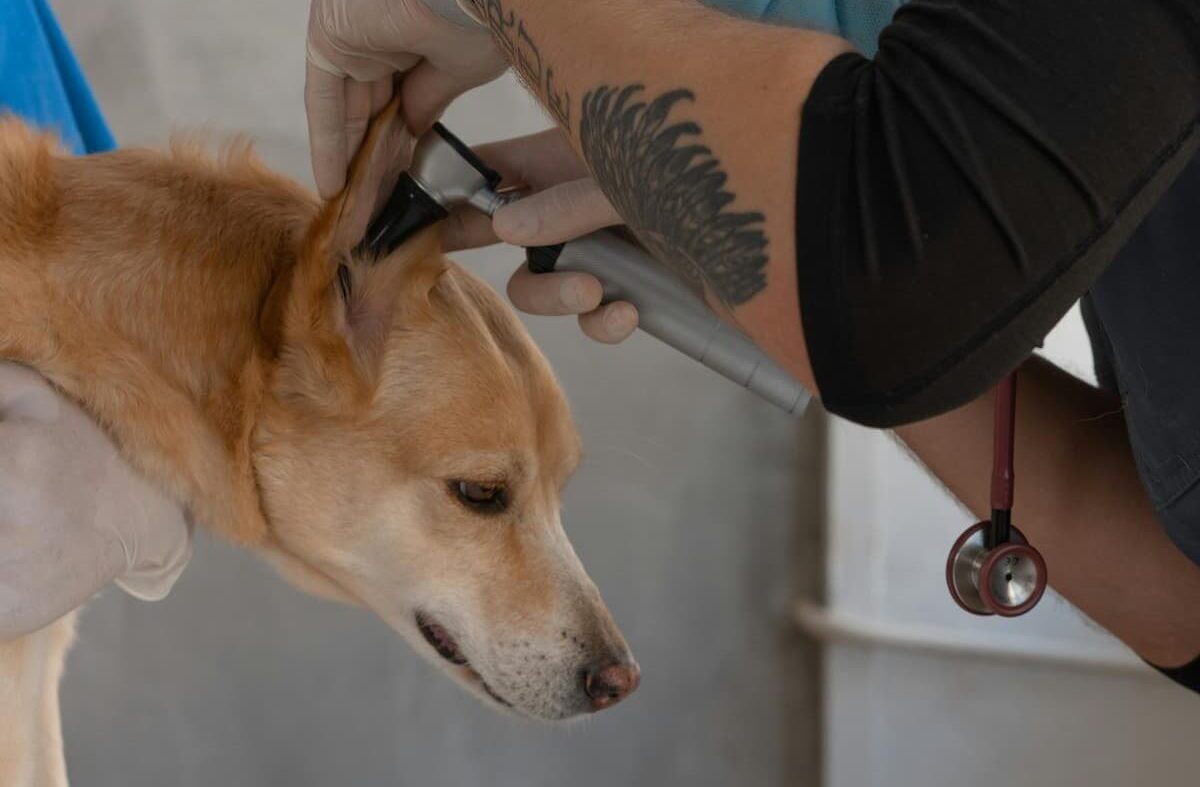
column 959, row 193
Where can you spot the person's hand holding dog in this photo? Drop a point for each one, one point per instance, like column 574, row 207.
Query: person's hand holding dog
column 73, row 515
column 356, row 48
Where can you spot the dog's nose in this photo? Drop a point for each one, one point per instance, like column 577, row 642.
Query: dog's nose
column 609, row 683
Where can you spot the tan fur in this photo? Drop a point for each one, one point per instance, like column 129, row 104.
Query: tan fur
column 190, row 305
column 30, row 731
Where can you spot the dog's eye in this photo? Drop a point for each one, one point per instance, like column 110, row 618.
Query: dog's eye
column 487, row 498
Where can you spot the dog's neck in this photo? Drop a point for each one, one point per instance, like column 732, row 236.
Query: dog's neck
column 152, row 299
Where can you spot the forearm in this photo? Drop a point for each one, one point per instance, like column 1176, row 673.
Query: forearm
column 955, row 195
column 742, row 86
column 1080, row 502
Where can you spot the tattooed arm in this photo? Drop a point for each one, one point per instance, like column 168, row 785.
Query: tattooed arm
column 688, row 119
column 689, row 122
column 950, row 203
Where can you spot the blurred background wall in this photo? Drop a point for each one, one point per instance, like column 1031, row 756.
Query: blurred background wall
column 694, row 512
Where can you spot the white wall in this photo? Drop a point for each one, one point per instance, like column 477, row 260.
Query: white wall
column 920, row 694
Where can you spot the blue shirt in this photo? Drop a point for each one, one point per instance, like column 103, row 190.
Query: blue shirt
column 41, row 81
column 858, row 20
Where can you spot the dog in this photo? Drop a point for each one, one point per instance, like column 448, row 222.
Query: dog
column 383, row 431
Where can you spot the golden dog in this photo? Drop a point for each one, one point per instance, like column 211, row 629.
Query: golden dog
column 384, row 431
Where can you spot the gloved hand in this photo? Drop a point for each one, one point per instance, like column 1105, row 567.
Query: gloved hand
column 564, row 202
column 73, row 515
column 355, row 50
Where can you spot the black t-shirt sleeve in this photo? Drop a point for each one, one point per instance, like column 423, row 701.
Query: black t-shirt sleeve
column 958, row 193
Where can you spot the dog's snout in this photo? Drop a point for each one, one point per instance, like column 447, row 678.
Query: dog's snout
column 608, row 683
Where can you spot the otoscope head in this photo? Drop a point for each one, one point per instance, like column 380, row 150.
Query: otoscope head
column 444, row 174
column 409, row 210
column 449, row 171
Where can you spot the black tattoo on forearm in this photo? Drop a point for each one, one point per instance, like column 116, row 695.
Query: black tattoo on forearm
column 525, row 55
column 671, row 191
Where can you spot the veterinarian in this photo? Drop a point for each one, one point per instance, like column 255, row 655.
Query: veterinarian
column 937, row 208
column 73, row 516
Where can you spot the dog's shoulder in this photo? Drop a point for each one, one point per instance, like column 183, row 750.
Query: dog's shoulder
column 27, row 183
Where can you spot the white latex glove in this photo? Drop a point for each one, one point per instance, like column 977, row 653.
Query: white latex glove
column 564, row 202
column 73, row 515
column 355, row 50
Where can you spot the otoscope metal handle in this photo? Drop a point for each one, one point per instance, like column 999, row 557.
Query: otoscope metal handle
column 669, row 311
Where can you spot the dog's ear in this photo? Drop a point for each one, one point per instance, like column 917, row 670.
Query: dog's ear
column 386, row 151
column 341, row 305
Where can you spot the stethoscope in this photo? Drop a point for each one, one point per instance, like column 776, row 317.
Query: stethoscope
column 992, row 569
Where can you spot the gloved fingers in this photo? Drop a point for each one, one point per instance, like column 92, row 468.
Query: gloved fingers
column 51, row 561
column 612, row 323
column 25, row 395
column 325, row 105
column 568, row 292
column 73, row 515
column 359, row 98
column 152, row 579
column 467, row 228
column 23, row 611
column 363, row 101
column 382, row 90
column 153, row 583
column 427, row 91
column 40, row 586
column 536, row 160
column 555, row 215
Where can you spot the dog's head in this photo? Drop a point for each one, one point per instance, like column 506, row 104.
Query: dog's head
column 411, row 458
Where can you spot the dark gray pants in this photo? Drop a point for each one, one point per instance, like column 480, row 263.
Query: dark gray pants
column 1143, row 315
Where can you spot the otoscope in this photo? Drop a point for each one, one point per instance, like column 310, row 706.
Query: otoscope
column 445, row 173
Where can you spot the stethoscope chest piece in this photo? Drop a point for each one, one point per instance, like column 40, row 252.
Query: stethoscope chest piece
column 992, row 569
column 1007, row 580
